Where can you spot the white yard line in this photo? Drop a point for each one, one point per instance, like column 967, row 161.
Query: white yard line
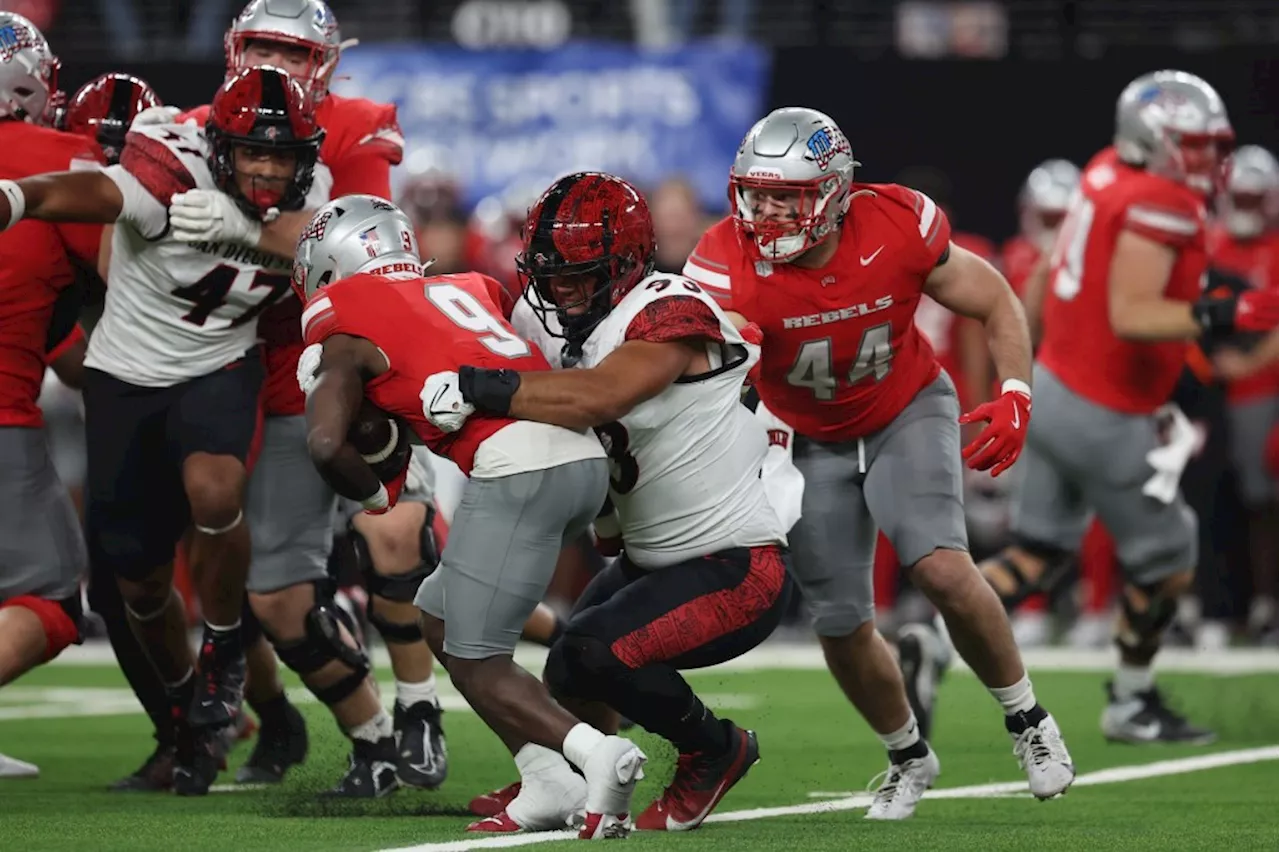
column 1115, row 775
column 802, row 656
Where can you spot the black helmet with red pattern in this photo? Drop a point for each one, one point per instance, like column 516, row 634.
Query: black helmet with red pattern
column 587, row 224
column 103, row 108
column 263, row 109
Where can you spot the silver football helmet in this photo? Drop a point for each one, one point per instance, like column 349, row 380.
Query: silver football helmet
column 789, row 187
column 28, row 72
column 1174, row 124
column 1248, row 207
column 1043, row 202
column 350, row 235
column 301, row 23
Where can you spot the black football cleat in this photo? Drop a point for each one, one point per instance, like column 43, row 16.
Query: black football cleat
column 422, row 757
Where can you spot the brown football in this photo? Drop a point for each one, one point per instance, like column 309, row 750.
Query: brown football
column 371, row 430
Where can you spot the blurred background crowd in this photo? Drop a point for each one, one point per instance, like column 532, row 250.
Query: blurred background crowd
column 962, row 99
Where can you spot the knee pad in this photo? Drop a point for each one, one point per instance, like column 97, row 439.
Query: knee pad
column 400, row 588
column 321, row 645
column 1059, row 564
column 581, row 666
column 1144, row 626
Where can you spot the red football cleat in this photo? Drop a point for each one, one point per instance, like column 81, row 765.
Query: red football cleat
column 494, row 803
column 499, row 823
column 701, row 781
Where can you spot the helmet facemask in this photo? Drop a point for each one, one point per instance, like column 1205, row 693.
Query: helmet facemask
column 807, row 225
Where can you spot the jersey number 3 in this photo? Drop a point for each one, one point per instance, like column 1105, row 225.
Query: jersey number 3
column 813, row 365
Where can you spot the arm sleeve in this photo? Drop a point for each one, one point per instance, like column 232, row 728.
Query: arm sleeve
column 148, row 175
column 673, row 318
column 1164, row 221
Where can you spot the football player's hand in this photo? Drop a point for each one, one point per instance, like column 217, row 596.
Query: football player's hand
column 387, row 496
column 1000, row 442
column 608, row 532
column 1257, row 310
column 308, row 363
column 753, row 335
column 205, row 215
column 155, row 115
column 442, row 402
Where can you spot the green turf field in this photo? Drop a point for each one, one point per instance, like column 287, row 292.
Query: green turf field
column 77, row 724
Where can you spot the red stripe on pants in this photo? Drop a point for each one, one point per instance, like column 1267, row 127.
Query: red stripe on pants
column 707, row 617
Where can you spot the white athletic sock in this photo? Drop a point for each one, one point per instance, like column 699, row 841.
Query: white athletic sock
column 1130, row 680
column 534, row 760
column 1017, row 698
column 905, row 737
column 581, row 740
column 409, row 694
column 377, row 728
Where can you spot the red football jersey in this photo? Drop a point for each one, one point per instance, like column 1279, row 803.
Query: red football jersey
column 362, row 142
column 1018, row 259
column 1258, row 262
column 1079, row 346
column 842, row 355
column 425, row 326
column 34, row 265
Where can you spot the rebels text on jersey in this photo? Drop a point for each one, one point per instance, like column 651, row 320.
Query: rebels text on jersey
column 175, row 310
column 1257, row 261
column 424, row 326
column 362, row 142
column 685, row 464
column 1079, row 345
column 842, row 353
column 35, row 265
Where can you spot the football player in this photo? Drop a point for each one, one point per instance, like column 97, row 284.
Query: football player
column 1244, row 242
column 104, row 108
column 832, row 271
column 291, row 540
column 1042, row 205
column 702, row 577
column 1123, row 301
column 381, row 335
column 171, row 393
column 42, row 552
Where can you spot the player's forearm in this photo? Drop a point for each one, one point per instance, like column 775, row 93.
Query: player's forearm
column 331, row 408
column 1009, row 340
column 575, row 399
column 346, row 472
column 82, row 196
column 281, row 236
column 1153, row 320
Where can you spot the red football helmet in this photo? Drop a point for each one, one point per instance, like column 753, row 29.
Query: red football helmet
column 588, row 223
column 262, row 108
column 103, row 109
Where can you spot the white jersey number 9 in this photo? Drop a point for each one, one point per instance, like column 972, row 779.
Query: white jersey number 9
column 465, row 311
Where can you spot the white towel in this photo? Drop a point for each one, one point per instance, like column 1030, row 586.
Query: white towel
column 1170, row 458
column 783, row 482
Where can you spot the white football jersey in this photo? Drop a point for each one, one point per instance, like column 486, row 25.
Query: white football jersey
column 179, row 310
column 685, row 465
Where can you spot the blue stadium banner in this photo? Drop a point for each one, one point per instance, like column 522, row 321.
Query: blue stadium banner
column 509, row 119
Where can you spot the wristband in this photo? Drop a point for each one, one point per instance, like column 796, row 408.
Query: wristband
column 488, row 390
column 17, row 202
column 380, row 500
column 1016, row 386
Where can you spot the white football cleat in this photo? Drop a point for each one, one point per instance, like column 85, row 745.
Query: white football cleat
column 1043, row 756
column 904, row 783
column 11, row 767
column 612, row 770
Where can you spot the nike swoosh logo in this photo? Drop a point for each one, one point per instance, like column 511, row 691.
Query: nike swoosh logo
column 1017, row 420
column 866, row 261
column 435, row 399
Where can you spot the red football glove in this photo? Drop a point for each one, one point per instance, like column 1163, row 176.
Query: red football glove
column 1000, row 443
column 1258, row 310
column 394, row 487
column 753, row 335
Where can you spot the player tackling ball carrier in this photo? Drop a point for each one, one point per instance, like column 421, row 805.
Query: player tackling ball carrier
column 657, row 371
column 831, row 271
column 377, row 329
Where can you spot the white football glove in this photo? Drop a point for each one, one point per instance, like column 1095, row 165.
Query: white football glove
column 442, row 402
column 206, row 215
column 308, row 363
column 155, row 115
